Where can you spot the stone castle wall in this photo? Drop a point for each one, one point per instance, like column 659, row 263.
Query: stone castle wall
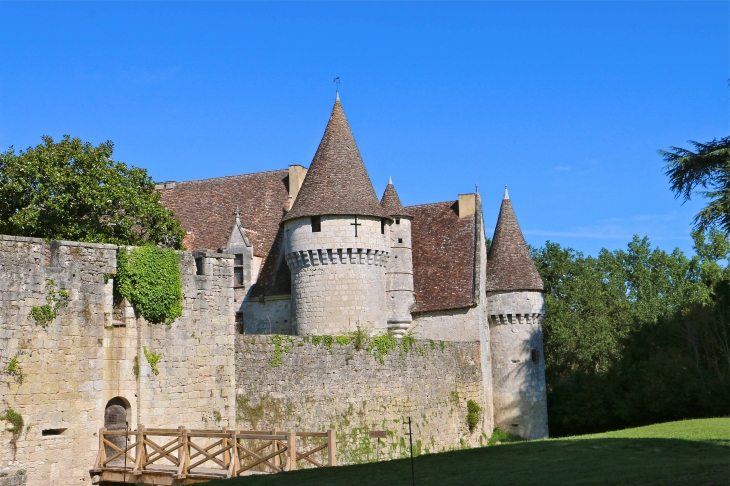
column 70, row 369
column 518, row 363
column 272, row 316
column 13, row 478
column 338, row 279
column 317, row 387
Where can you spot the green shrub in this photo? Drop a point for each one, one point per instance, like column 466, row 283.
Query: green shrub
column 343, row 340
column 15, row 419
column 279, row 348
column 359, row 338
column 44, row 314
column 502, row 437
column 407, row 342
column 14, row 369
column 149, row 277
column 380, row 346
column 473, row 414
column 152, row 359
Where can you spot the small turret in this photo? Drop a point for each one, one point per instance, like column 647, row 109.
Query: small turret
column 400, row 295
column 516, row 306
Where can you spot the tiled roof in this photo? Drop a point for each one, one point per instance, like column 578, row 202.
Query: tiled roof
column 443, row 256
column 509, row 265
column 206, row 207
column 337, row 181
column 390, row 202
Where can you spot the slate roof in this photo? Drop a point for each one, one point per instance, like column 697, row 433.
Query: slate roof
column 509, row 265
column 205, row 208
column 443, row 244
column 337, row 181
column 443, row 256
column 390, row 202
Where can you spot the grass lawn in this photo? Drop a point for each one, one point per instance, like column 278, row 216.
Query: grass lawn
column 691, row 452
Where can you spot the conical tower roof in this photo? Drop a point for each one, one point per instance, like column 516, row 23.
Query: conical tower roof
column 390, row 201
column 337, row 181
column 509, row 265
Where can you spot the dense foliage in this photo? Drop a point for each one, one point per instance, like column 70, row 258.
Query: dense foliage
column 149, row 277
column 636, row 336
column 72, row 190
column 707, row 167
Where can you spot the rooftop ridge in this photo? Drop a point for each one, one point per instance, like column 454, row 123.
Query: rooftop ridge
column 225, row 177
column 452, row 201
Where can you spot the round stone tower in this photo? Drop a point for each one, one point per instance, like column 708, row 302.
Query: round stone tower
column 400, row 296
column 516, row 307
column 337, row 240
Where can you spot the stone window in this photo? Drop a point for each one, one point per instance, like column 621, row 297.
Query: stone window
column 382, row 226
column 200, row 266
column 316, row 224
column 46, row 432
column 534, row 355
column 400, row 240
column 397, row 220
column 239, row 322
column 238, row 270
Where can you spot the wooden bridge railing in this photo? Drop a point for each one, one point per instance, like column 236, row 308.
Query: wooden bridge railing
column 187, row 456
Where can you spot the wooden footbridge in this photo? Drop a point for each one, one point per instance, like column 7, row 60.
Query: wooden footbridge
column 177, row 457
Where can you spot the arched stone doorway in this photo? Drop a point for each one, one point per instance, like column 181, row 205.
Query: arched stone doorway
column 117, row 415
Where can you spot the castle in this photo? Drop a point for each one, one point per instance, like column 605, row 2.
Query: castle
column 299, row 252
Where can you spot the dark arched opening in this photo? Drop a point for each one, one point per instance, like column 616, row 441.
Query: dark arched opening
column 117, row 415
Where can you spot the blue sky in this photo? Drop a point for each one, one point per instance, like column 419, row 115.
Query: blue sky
column 566, row 102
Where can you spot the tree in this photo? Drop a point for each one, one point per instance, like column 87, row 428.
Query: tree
column 636, row 336
column 74, row 191
column 709, row 167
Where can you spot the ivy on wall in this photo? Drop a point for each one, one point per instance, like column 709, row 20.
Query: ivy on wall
column 152, row 359
column 15, row 420
column 13, row 369
column 149, row 277
column 44, row 314
column 473, row 415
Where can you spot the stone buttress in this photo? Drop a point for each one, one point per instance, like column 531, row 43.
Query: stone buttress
column 516, row 307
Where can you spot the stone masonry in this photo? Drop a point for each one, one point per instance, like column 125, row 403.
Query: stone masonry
column 338, row 279
column 70, row 369
column 316, row 387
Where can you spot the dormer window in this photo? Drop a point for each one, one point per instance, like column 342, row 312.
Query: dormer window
column 316, row 224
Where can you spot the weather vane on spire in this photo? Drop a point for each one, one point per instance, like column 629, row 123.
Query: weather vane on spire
column 337, row 82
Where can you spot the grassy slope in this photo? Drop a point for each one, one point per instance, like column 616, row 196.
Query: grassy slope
column 692, row 452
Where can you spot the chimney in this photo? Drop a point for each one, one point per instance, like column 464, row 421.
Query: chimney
column 296, row 178
column 467, row 205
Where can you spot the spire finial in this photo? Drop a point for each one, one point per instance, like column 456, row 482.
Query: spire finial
column 237, row 214
column 506, row 194
column 390, row 180
column 337, row 90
